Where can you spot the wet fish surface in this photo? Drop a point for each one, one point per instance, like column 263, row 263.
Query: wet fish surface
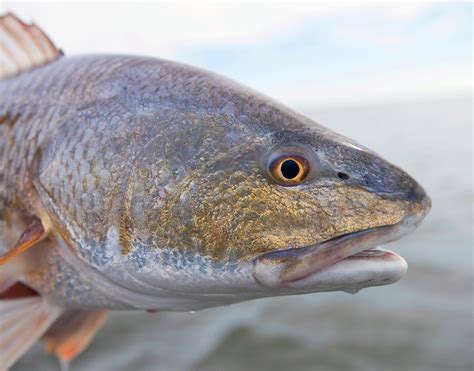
column 137, row 183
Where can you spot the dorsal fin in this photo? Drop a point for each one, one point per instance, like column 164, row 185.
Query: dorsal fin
column 23, row 46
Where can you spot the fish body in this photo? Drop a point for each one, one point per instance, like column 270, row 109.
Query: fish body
column 159, row 186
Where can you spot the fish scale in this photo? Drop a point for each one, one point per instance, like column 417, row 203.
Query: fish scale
column 42, row 98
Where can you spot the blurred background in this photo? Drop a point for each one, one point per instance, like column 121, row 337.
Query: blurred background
column 397, row 77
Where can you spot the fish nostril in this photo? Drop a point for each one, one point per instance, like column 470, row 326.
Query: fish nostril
column 342, row 175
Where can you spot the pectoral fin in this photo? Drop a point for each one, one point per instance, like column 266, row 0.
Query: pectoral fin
column 33, row 234
column 73, row 332
column 22, row 322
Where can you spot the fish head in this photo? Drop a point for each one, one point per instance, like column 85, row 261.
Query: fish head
column 350, row 201
column 208, row 191
column 302, row 208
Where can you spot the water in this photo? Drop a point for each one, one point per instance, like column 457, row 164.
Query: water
column 424, row 322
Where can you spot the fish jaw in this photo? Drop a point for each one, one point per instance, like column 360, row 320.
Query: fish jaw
column 349, row 262
column 375, row 267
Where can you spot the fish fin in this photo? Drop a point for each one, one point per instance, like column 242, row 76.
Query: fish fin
column 23, row 46
column 6, row 281
column 73, row 332
column 22, row 322
column 33, row 234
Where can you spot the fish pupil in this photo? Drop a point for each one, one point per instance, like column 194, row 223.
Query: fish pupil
column 290, row 169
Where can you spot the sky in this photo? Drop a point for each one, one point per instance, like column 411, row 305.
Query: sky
column 305, row 54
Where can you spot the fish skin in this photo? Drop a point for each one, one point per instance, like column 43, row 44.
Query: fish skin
column 152, row 174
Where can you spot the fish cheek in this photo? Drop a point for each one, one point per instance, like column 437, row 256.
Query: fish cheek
column 260, row 217
column 235, row 216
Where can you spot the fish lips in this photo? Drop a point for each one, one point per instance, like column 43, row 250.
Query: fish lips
column 347, row 260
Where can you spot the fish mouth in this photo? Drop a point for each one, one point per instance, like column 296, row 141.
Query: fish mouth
column 285, row 267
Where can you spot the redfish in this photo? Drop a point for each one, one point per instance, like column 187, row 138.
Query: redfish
column 130, row 182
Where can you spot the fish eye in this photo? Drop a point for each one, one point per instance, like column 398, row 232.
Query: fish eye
column 289, row 170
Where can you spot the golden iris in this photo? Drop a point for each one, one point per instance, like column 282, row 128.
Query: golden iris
column 289, row 170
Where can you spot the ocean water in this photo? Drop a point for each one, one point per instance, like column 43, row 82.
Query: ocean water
column 424, row 322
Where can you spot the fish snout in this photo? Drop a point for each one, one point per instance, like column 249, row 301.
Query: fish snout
column 389, row 182
column 417, row 200
column 420, row 202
